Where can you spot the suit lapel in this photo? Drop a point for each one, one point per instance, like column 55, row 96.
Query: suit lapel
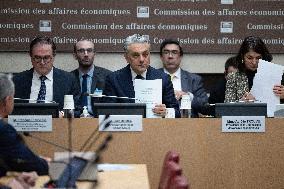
column 127, row 84
column 184, row 81
column 28, row 84
column 94, row 79
column 56, row 85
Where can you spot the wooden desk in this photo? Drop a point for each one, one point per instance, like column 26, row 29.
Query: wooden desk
column 136, row 177
column 209, row 158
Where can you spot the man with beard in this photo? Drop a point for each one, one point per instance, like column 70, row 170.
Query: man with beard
column 184, row 82
column 89, row 76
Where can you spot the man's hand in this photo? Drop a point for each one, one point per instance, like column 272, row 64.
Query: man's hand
column 160, row 109
column 23, row 181
column 178, row 94
column 279, row 91
column 248, row 97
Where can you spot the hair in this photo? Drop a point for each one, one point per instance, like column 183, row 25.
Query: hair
column 6, row 86
column 75, row 48
column 232, row 61
column 43, row 40
column 255, row 44
column 136, row 38
column 170, row 41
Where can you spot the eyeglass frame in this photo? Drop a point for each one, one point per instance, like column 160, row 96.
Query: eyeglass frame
column 172, row 52
column 44, row 59
column 82, row 50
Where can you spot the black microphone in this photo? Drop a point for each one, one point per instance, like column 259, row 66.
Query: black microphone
column 27, row 134
column 106, row 125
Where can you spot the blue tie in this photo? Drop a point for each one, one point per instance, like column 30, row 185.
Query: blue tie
column 42, row 90
column 84, row 90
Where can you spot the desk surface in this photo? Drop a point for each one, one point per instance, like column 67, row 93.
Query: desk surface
column 136, row 177
column 209, row 158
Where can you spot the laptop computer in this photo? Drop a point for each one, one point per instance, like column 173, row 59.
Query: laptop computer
column 240, row 109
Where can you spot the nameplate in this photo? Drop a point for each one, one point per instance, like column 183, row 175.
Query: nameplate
column 121, row 123
column 31, row 122
column 248, row 124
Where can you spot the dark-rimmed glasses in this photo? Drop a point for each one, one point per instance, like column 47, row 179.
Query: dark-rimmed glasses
column 82, row 51
column 39, row 59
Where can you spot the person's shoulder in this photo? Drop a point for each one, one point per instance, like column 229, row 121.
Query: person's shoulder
column 76, row 71
column 102, row 70
column 189, row 74
column 158, row 72
column 62, row 73
column 7, row 131
column 21, row 75
column 236, row 75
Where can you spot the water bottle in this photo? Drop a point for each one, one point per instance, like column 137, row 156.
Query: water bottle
column 85, row 113
column 185, row 106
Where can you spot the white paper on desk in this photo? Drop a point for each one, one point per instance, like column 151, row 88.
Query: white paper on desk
column 149, row 92
column 268, row 74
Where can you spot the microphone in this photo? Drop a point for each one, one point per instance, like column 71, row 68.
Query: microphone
column 27, row 134
column 106, row 122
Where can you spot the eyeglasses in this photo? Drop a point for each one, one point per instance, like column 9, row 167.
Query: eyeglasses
column 82, row 51
column 39, row 59
column 173, row 52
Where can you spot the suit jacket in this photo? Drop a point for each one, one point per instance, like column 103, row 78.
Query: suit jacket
column 217, row 95
column 193, row 83
column 119, row 83
column 64, row 83
column 98, row 81
column 15, row 155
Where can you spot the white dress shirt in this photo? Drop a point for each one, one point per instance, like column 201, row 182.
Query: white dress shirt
column 133, row 74
column 36, row 82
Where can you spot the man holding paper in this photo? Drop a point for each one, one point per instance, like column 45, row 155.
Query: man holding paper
column 121, row 82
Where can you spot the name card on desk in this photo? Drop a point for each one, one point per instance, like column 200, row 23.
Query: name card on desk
column 31, row 122
column 122, row 123
column 248, row 124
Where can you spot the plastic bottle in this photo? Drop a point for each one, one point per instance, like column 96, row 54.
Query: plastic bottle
column 85, row 113
column 185, row 106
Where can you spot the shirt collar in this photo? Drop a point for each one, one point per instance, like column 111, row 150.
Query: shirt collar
column 89, row 73
column 49, row 76
column 133, row 74
column 176, row 74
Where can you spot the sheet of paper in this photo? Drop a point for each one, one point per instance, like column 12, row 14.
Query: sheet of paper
column 149, row 92
column 268, row 74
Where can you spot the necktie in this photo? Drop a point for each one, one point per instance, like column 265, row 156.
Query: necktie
column 139, row 77
column 42, row 90
column 84, row 90
column 172, row 76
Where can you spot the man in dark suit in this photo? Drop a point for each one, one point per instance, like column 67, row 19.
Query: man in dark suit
column 14, row 154
column 120, row 83
column 184, row 82
column 44, row 82
column 91, row 78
